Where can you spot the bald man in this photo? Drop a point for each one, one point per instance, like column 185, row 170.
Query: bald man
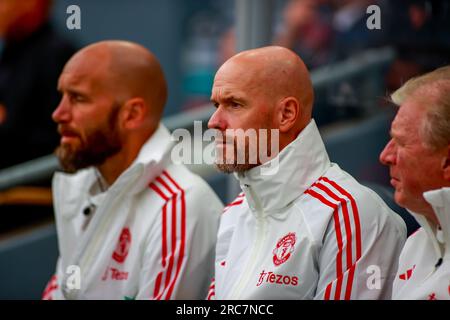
column 131, row 224
column 305, row 229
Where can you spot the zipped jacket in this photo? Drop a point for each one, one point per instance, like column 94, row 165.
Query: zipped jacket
column 151, row 235
column 309, row 231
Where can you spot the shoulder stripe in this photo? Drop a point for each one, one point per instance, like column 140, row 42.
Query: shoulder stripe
column 153, row 186
column 183, row 233
column 357, row 225
column 239, row 199
column 157, row 293
column 166, row 187
column 339, row 194
column 355, row 213
column 337, row 228
column 348, row 232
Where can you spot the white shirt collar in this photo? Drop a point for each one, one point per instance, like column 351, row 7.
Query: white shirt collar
column 439, row 199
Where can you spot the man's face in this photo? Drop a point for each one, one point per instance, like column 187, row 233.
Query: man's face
column 87, row 117
column 241, row 103
column 414, row 167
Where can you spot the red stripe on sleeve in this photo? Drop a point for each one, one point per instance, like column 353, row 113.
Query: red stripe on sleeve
column 158, row 191
column 337, row 229
column 357, row 227
column 183, row 233
column 348, row 232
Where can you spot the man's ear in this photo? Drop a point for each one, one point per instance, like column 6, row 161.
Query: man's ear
column 289, row 112
column 134, row 113
column 446, row 165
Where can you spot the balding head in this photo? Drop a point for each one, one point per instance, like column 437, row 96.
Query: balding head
column 113, row 94
column 262, row 89
column 126, row 69
column 278, row 73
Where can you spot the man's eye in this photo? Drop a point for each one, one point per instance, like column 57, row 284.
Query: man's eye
column 235, row 104
column 78, row 98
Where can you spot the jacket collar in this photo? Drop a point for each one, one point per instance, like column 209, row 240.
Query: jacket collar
column 150, row 162
column 153, row 158
column 439, row 199
column 300, row 164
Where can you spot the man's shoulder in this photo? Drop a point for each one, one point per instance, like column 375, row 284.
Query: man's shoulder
column 338, row 190
column 347, row 187
column 177, row 181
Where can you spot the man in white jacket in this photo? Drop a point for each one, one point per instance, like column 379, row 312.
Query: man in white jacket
column 131, row 224
column 418, row 156
column 302, row 228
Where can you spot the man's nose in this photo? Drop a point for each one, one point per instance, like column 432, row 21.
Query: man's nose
column 388, row 155
column 62, row 112
column 217, row 120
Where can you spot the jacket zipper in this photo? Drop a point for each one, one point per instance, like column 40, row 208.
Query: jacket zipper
column 260, row 238
column 72, row 294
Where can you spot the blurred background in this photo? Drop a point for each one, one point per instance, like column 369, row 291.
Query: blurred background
column 354, row 63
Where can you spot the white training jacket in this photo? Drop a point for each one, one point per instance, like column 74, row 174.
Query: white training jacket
column 308, row 232
column 424, row 268
column 152, row 235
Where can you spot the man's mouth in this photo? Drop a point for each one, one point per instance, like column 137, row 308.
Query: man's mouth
column 394, row 181
column 67, row 135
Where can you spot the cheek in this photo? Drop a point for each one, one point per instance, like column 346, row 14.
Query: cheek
column 418, row 173
column 407, row 167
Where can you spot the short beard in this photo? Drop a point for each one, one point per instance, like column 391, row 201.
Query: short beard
column 231, row 168
column 241, row 167
column 98, row 147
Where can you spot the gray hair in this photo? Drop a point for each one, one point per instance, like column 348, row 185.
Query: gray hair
column 434, row 87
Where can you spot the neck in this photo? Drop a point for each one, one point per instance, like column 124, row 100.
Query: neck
column 432, row 218
column 287, row 137
column 114, row 166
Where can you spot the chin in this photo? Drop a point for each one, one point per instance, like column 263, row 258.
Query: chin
column 400, row 200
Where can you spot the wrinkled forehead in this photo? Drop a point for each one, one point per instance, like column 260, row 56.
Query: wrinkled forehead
column 409, row 117
column 239, row 75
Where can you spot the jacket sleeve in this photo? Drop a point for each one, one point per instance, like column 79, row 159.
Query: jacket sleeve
column 360, row 251
column 179, row 256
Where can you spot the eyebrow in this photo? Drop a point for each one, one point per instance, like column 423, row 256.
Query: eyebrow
column 229, row 98
column 72, row 91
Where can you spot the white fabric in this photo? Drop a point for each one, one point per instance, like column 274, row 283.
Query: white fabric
column 170, row 215
column 256, row 257
column 422, row 274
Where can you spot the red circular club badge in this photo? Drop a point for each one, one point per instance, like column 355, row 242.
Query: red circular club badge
column 284, row 248
column 123, row 245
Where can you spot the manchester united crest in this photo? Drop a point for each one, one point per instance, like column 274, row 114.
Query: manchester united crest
column 123, row 245
column 284, row 248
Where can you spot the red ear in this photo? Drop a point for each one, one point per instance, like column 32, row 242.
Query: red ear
column 135, row 112
column 290, row 112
